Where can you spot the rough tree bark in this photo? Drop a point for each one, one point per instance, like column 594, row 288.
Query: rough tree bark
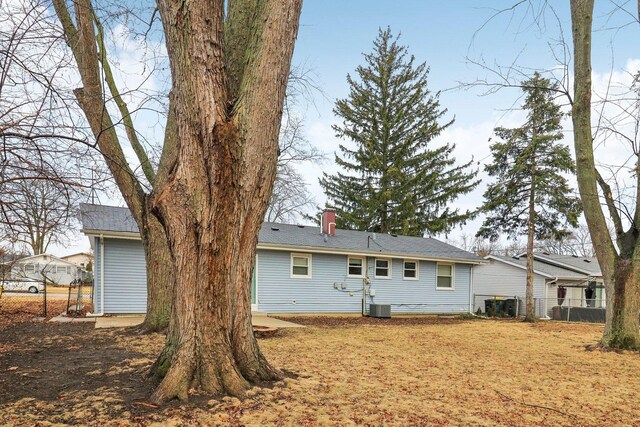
column 229, row 72
column 87, row 46
column 160, row 275
column 621, row 271
column 229, row 80
column 531, row 312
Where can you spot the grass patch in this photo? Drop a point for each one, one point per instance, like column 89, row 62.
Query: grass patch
column 436, row 372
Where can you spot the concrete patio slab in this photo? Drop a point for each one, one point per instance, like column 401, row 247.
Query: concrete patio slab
column 65, row 319
column 258, row 319
column 119, row 321
column 270, row 322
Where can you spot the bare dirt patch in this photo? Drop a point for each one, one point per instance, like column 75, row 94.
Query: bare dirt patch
column 450, row 372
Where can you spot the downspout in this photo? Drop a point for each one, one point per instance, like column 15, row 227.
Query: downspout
column 101, row 313
column 546, row 295
column 365, row 282
column 471, row 289
column 101, row 275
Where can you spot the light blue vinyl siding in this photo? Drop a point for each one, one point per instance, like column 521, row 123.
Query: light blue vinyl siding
column 125, row 284
column 279, row 293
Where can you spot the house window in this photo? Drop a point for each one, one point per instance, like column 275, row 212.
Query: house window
column 29, row 268
column 301, row 265
column 61, row 269
column 383, row 268
column 444, row 278
column 355, row 267
column 410, row 270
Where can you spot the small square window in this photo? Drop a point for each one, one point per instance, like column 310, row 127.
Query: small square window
column 444, row 278
column 383, row 268
column 300, row 265
column 30, row 268
column 355, row 266
column 410, row 270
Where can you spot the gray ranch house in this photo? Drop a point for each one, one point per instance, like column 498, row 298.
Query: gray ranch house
column 558, row 280
column 299, row 268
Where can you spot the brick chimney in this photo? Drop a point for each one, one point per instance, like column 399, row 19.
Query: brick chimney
column 328, row 222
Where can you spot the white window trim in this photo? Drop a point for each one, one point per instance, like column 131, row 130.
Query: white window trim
column 453, row 276
column 417, row 269
column 375, row 268
column 298, row 276
column 364, row 266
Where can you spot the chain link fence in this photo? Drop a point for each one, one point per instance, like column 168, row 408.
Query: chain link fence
column 498, row 305
column 564, row 309
column 571, row 309
column 21, row 299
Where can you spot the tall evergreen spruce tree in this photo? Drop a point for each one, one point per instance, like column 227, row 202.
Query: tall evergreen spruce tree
column 395, row 180
column 531, row 196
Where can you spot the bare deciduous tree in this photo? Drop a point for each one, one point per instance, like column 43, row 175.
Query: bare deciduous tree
column 204, row 203
column 37, row 213
column 620, row 268
column 577, row 243
column 291, row 198
column 41, row 173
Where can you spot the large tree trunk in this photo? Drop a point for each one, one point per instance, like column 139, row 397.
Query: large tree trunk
column 210, row 345
column 623, row 307
column 160, row 276
column 250, row 360
column 227, row 95
column 620, row 272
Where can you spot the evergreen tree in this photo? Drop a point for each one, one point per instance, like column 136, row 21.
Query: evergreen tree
column 395, row 180
column 531, row 195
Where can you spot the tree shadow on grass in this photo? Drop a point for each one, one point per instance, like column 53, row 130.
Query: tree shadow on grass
column 69, row 373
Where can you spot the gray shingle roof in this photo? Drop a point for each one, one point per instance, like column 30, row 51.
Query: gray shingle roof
column 589, row 265
column 542, row 267
column 108, row 218
column 362, row 241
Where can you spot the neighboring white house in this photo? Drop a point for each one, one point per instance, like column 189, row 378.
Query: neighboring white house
column 44, row 266
column 563, row 280
column 81, row 259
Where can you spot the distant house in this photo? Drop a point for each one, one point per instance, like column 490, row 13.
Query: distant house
column 44, row 267
column 7, row 259
column 558, row 280
column 81, row 259
column 300, row 269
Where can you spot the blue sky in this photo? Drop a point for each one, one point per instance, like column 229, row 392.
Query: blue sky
column 333, row 34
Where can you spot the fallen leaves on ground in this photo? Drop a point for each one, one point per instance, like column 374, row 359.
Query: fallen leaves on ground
column 348, row 372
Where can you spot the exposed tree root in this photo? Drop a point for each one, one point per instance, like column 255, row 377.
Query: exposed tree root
column 145, row 328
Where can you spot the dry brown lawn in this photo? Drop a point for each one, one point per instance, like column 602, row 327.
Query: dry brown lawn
column 348, row 372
